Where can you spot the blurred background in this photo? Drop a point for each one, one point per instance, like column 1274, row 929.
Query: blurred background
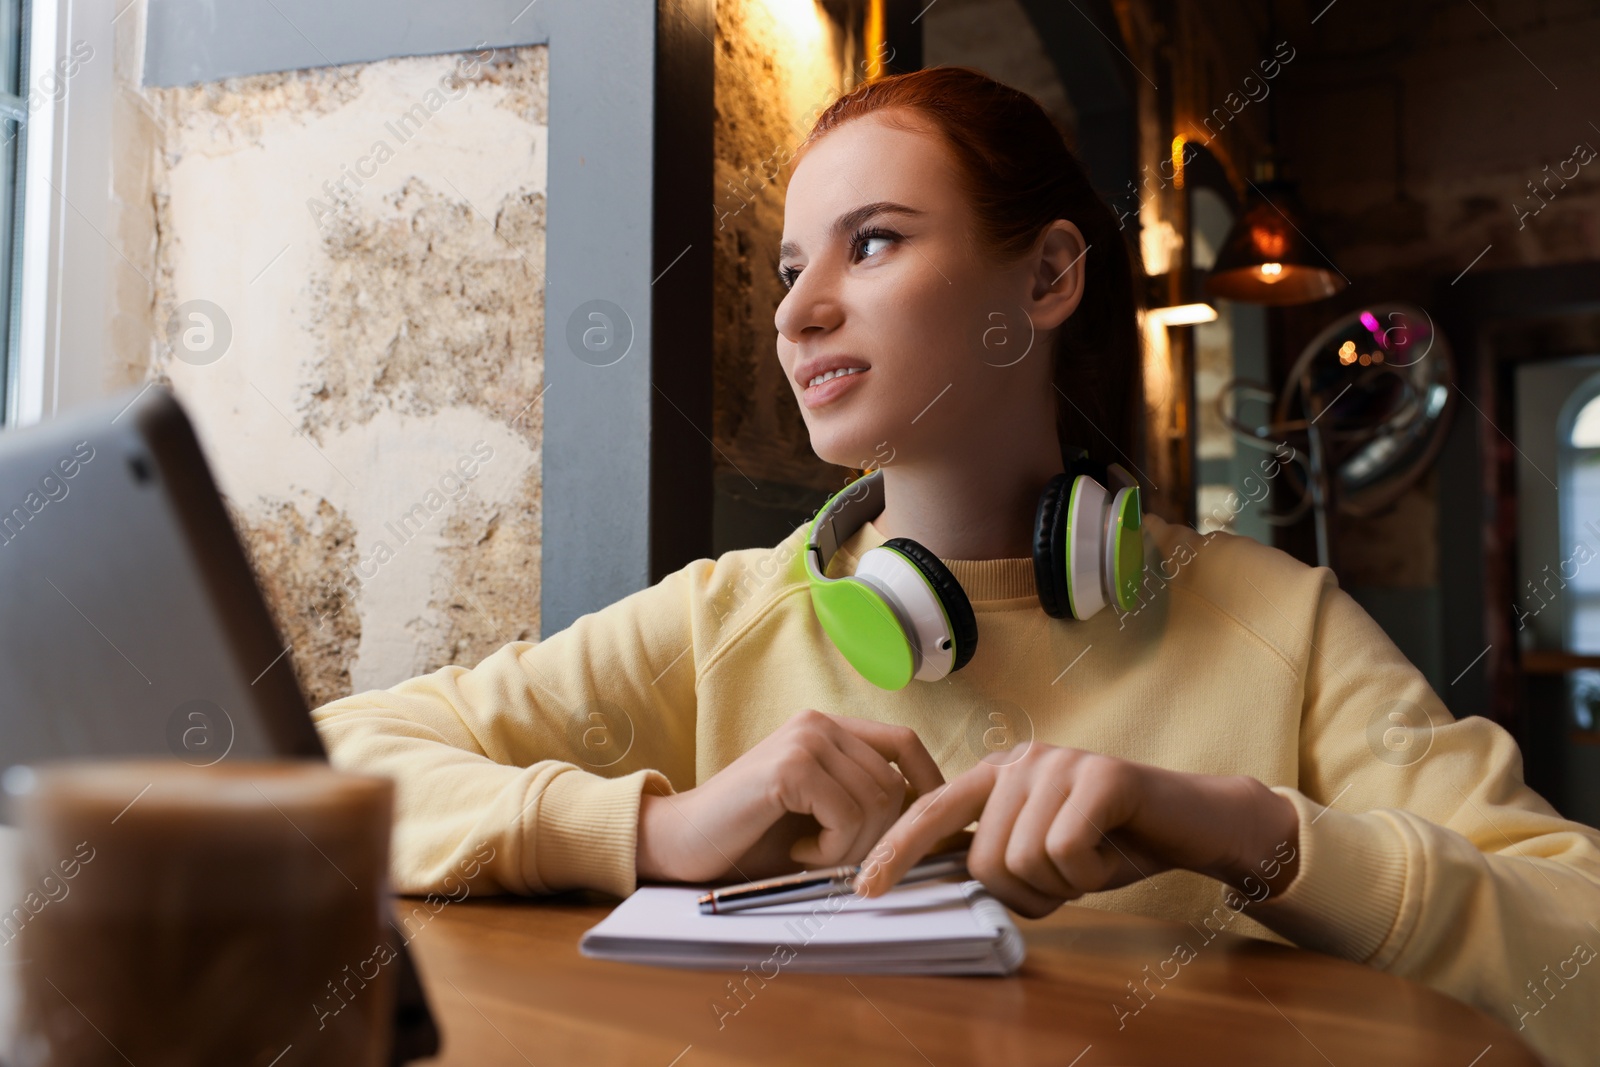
column 371, row 244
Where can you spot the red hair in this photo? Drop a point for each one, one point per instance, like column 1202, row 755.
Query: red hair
column 1017, row 173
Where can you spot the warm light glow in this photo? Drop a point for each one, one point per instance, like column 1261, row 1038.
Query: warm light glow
column 1271, row 273
column 1348, row 355
column 1159, row 241
column 1158, row 390
column 803, row 26
column 1184, row 314
column 1270, row 238
column 1177, row 161
column 874, row 35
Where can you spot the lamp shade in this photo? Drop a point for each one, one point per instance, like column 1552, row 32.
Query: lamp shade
column 1267, row 257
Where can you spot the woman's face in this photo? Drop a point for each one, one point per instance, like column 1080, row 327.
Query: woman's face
column 941, row 351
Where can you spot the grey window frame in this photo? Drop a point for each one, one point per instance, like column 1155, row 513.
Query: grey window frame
column 15, row 20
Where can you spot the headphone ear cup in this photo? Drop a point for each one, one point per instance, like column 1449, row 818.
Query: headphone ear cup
column 963, row 623
column 866, row 630
column 1050, row 547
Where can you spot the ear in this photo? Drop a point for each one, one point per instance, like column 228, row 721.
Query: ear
column 1058, row 275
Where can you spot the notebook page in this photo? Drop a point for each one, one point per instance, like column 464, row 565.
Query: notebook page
column 908, row 914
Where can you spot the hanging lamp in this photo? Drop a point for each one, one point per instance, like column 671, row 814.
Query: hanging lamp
column 1269, row 256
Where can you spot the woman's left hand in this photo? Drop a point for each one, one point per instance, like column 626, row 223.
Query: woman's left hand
column 1055, row 823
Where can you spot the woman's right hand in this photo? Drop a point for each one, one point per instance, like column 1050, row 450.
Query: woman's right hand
column 759, row 816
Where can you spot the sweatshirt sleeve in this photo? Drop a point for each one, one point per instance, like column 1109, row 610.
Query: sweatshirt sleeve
column 524, row 774
column 1422, row 851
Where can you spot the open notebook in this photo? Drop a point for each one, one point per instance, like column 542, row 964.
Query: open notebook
column 946, row 927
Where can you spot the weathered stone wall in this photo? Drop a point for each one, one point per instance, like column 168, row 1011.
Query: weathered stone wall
column 775, row 72
column 349, row 299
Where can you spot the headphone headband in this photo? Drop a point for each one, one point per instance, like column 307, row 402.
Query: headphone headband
column 845, row 512
column 862, row 500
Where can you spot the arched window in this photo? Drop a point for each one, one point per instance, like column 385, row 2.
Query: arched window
column 1578, row 570
column 1585, row 431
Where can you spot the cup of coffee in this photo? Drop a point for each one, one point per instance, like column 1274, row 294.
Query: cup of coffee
column 180, row 915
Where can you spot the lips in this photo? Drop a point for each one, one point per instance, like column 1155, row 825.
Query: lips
column 810, row 369
column 815, row 396
column 838, row 372
column 833, row 375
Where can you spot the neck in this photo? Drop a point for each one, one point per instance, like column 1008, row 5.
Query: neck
column 979, row 507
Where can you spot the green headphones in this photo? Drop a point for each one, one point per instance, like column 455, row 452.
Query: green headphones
column 902, row 614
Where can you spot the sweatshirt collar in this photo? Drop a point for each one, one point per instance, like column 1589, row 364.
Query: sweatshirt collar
column 982, row 579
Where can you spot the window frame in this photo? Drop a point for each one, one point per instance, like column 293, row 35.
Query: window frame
column 15, row 15
column 67, row 259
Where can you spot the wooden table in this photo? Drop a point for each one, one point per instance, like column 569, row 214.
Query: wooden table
column 508, row 986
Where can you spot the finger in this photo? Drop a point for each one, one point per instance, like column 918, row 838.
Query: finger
column 932, row 816
column 877, row 806
column 772, row 852
column 997, row 829
column 1083, row 841
column 901, row 746
column 1027, row 857
column 888, row 777
column 806, row 787
column 891, row 787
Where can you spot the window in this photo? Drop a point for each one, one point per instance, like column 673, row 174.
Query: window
column 1578, row 431
column 14, row 117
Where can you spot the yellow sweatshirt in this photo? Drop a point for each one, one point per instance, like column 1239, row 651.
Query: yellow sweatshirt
column 1422, row 852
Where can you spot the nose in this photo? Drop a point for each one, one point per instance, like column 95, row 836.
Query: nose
column 812, row 305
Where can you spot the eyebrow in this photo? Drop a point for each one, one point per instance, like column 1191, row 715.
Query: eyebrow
column 847, row 222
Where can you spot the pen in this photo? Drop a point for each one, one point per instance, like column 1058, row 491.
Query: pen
column 810, row 885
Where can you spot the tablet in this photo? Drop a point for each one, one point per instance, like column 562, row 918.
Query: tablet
column 130, row 620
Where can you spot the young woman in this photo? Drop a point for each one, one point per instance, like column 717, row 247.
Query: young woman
column 959, row 314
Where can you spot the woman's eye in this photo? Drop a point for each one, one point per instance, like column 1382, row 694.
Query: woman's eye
column 864, row 241
column 861, row 243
